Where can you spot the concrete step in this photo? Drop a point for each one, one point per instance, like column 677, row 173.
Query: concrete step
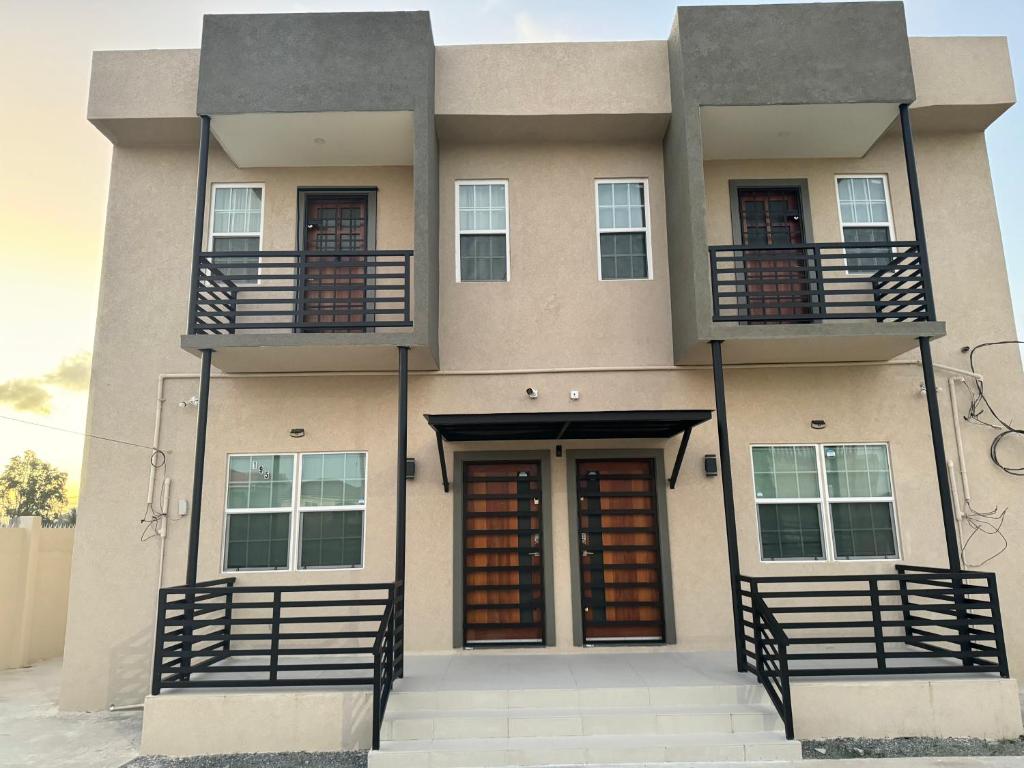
column 591, row 750
column 577, row 698
column 504, row 723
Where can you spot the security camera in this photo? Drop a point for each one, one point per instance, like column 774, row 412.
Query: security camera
column 532, row 393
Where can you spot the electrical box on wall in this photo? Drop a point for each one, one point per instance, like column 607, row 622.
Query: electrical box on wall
column 182, row 507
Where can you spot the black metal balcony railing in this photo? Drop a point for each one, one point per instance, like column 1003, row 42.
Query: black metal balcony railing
column 814, row 282
column 300, row 292
column 917, row 621
column 218, row 635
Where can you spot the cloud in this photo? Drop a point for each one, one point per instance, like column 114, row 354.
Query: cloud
column 32, row 395
column 25, row 395
column 529, row 30
column 72, row 373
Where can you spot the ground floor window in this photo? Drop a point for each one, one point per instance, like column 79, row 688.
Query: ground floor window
column 295, row 511
column 851, row 515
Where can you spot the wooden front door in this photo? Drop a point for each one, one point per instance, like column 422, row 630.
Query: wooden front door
column 620, row 561
column 334, row 283
column 503, row 573
column 778, row 283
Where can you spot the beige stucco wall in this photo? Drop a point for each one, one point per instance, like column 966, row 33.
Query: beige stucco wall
column 533, row 321
column 35, row 571
column 554, row 313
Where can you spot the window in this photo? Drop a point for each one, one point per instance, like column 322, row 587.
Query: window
column 236, row 224
column 788, row 502
column 860, row 500
column 856, row 502
column 623, row 234
column 481, row 247
column 866, row 217
column 266, row 510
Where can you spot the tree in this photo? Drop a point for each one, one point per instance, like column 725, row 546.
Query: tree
column 31, row 486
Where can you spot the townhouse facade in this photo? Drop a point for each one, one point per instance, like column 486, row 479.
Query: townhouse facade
column 540, row 351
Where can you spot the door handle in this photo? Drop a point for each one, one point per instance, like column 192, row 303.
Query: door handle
column 587, row 553
column 534, row 554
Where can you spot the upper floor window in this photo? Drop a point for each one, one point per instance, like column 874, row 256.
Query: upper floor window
column 623, row 230
column 866, row 217
column 236, row 224
column 855, row 503
column 481, row 244
column 279, row 518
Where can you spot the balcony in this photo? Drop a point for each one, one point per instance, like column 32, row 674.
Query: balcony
column 820, row 282
column 301, row 292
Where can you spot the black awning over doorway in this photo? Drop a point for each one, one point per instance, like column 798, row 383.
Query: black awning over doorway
column 565, row 425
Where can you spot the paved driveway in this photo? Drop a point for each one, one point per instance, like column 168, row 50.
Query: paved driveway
column 34, row 734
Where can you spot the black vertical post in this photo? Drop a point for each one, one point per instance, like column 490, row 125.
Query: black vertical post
column 197, row 232
column 939, row 449
column 729, row 504
column 197, row 471
column 403, row 426
column 915, row 207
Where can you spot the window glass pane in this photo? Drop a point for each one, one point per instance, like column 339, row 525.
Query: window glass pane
column 482, row 257
column 864, row 259
column 332, row 539
column 260, row 482
column 623, row 256
column 620, row 205
column 482, row 207
column 785, row 472
column 864, row 529
column 236, row 209
column 257, row 540
column 857, row 471
column 862, row 201
column 790, row 531
column 333, row 480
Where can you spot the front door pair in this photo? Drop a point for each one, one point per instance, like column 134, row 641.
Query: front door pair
column 620, row 591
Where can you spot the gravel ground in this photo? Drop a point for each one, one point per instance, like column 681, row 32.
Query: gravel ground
column 832, row 749
column 269, row 760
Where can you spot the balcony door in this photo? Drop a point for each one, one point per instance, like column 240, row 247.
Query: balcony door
column 334, row 267
column 778, row 283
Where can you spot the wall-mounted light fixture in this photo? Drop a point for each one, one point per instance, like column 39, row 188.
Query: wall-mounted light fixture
column 710, row 465
column 410, row 469
column 817, row 423
column 297, row 432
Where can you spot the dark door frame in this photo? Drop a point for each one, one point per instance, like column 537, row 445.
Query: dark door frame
column 458, row 554
column 304, row 193
column 803, row 198
column 664, row 545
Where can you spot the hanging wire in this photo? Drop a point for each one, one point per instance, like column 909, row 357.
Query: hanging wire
column 982, row 412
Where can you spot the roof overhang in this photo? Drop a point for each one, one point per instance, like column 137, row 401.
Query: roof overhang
column 566, row 425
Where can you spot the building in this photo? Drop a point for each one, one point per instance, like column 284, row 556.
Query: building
column 586, row 349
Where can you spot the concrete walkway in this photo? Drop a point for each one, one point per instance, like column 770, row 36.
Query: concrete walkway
column 34, row 734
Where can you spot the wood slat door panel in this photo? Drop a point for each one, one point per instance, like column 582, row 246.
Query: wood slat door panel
column 620, row 559
column 772, row 217
column 503, row 574
column 335, row 288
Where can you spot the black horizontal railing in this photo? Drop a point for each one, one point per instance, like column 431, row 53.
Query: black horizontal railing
column 216, row 634
column 300, row 292
column 916, row 621
column 815, row 282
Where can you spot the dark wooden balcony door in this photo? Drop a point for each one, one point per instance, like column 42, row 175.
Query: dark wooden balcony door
column 335, row 287
column 503, row 573
column 620, row 560
column 774, row 278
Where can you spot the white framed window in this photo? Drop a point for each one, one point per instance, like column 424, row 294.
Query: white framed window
column 292, row 511
column 865, row 213
column 236, row 224
column 623, row 229
column 855, row 503
column 481, row 227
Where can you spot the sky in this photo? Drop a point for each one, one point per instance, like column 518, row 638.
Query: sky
column 54, row 166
